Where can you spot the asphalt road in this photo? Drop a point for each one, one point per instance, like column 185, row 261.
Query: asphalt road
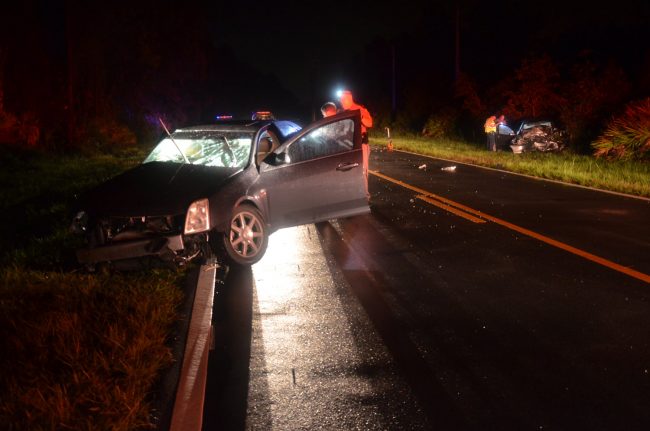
column 467, row 299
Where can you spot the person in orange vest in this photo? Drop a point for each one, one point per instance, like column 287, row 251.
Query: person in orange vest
column 491, row 131
column 348, row 104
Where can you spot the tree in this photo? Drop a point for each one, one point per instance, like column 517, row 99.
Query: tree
column 594, row 91
column 465, row 90
column 536, row 89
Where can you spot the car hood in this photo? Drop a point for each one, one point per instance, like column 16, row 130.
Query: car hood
column 155, row 188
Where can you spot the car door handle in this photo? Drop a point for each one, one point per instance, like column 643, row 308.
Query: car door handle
column 346, row 166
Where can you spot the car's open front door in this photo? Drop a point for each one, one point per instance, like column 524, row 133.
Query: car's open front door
column 318, row 174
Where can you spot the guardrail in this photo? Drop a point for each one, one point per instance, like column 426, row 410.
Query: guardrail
column 187, row 414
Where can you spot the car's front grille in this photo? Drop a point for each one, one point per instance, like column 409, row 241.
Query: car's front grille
column 126, row 228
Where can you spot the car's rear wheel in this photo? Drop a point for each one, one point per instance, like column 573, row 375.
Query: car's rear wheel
column 246, row 238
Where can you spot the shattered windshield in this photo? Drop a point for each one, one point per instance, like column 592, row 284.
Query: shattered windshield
column 225, row 149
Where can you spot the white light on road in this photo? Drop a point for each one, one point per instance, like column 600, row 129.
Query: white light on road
column 275, row 275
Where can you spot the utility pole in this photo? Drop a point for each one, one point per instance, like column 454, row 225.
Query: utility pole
column 2, row 81
column 457, row 62
column 312, row 79
column 70, row 8
column 394, row 102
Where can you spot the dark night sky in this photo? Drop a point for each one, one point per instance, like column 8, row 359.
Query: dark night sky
column 310, row 49
column 495, row 36
column 296, row 42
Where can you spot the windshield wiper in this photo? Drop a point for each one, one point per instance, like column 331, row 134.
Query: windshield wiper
column 175, row 144
column 230, row 151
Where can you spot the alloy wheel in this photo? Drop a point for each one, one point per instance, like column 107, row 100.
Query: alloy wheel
column 246, row 234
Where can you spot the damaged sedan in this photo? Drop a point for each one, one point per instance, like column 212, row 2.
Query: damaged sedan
column 222, row 189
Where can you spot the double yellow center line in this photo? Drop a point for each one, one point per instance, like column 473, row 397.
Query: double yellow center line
column 481, row 217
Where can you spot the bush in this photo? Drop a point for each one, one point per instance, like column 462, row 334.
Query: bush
column 105, row 135
column 9, row 128
column 30, row 129
column 19, row 131
column 627, row 137
column 440, row 125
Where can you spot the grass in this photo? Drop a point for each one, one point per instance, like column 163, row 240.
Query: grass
column 630, row 177
column 37, row 195
column 77, row 351
column 81, row 351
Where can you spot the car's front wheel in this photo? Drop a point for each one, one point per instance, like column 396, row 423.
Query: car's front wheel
column 246, row 238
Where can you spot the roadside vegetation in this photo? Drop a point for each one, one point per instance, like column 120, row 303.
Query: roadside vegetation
column 627, row 136
column 604, row 111
column 624, row 176
column 77, row 350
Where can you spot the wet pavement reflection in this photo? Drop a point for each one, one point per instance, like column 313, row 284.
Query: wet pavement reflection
column 309, row 368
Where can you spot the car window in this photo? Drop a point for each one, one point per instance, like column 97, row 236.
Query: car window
column 329, row 139
column 227, row 149
column 502, row 129
column 530, row 125
column 286, row 128
column 266, row 144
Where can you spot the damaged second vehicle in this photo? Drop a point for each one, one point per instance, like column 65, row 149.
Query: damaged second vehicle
column 541, row 136
column 224, row 188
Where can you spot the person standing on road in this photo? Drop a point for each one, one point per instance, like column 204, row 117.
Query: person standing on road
column 328, row 109
column 491, row 131
column 348, row 104
column 501, row 121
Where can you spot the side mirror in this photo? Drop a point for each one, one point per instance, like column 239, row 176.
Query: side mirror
column 278, row 159
column 275, row 159
column 281, row 159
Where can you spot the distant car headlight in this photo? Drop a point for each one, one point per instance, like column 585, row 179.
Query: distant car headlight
column 197, row 218
column 79, row 223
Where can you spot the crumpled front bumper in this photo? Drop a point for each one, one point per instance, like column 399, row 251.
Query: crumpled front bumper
column 163, row 247
column 517, row 149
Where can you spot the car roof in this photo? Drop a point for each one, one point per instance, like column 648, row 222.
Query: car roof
column 229, row 126
column 283, row 127
column 527, row 123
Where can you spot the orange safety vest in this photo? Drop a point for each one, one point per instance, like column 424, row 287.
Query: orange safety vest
column 366, row 119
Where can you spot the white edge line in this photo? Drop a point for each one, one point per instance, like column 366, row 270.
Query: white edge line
column 531, row 177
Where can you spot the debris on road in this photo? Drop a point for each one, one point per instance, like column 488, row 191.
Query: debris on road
column 449, row 168
column 424, row 166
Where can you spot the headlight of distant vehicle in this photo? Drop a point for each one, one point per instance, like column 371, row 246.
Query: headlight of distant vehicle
column 197, row 218
column 79, row 223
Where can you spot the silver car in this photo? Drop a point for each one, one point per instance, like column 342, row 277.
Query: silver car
column 223, row 188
